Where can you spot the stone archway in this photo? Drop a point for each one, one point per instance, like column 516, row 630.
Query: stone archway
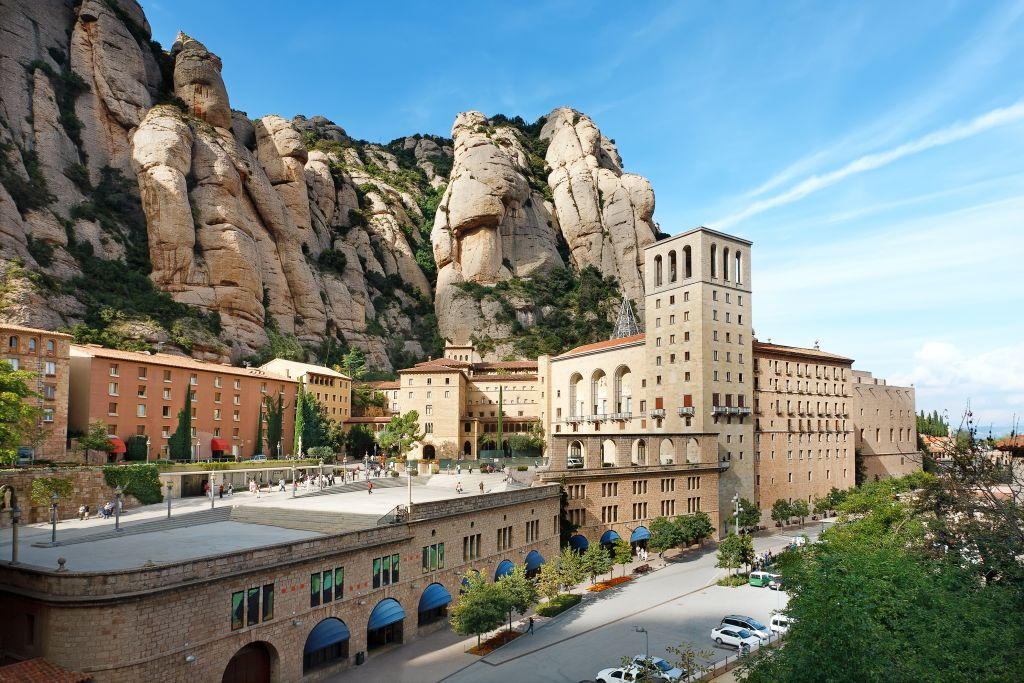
column 692, row 450
column 666, row 454
column 253, row 663
column 608, row 453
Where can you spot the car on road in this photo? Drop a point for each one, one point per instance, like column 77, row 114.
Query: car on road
column 631, row 674
column 574, row 462
column 761, row 579
column 665, row 669
column 259, row 457
column 777, row 583
column 779, row 624
column 740, row 638
column 749, row 623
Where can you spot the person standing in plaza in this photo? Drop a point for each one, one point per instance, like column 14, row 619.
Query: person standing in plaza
column 369, row 487
column 529, row 628
column 481, row 487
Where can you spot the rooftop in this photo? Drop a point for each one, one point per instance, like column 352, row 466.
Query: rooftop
column 38, row 670
column 763, row 347
column 10, row 327
column 170, row 360
column 603, row 345
column 292, row 368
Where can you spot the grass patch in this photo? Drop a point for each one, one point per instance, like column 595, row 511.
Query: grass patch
column 493, row 643
column 734, row 581
column 559, row 604
column 610, row 583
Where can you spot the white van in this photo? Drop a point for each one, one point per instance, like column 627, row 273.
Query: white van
column 779, row 624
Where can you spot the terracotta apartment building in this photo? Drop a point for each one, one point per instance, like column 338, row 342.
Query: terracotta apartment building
column 141, row 394
column 46, row 355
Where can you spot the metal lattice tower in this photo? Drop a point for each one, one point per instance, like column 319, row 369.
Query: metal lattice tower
column 626, row 325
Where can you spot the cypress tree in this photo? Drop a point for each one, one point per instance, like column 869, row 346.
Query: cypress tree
column 259, row 431
column 180, row 443
column 300, row 409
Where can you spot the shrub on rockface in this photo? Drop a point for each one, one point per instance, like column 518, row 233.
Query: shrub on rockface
column 141, row 481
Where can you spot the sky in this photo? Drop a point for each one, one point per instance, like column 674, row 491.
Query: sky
column 872, row 151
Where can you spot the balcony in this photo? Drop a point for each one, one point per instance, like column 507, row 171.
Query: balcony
column 658, row 412
column 686, row 411
column 574, row 418
column 743, row 410
column 719, row 410
column 622, row 416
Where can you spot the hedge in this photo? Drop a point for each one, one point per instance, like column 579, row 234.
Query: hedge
column 44, row 487
column 559, row 604
column 141, row 481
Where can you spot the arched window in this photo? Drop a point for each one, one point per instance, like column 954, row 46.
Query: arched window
column 31, row 344
column 12, row 343
column 575, row 396
column 672, row 266
column 623, row 396
column 687, row 263
column 641, row 452
column 657, row 271
column 714, row 261
column 725, row 263
column 49, row 345
column 608, row 451
column 666, row 454
column 739, row 268
column 599, row 393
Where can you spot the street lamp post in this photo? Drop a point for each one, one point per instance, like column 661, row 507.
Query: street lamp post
column 408, row 474
column 647, row 642
column 15, row 518
column 147, row 450
column 212, row 496
column 53, row 518
column 736, row 502
column 117, row 509
column 320, row 474
column 169, row 485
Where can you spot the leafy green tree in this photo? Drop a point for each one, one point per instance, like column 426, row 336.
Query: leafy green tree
column 730, row 552
column 44, row 487
column 781, row 511
column 353, row 364
column 325, row 453
column 750, row 514
column 401, row 434
column 312, row 426
column 622, row 553
column 359, row 440
column 664, row 534
column 480, row 608
column 571, row 568
column 799, row 509
column 180, row 443
column 275, row 424
column 596, row 561
column 300, row 419
column 690, row 660
column 520, row 593
column 549, row 581
column 96, row 438
column 699, row 527
column 135, row 447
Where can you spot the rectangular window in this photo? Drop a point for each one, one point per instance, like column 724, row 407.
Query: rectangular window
column 328, row 583
column 237, row 610
column 314, row 590
column 252, row 611
column 376, row 572
column 113, row 370
column 268, row 602
column 339, row 583
column 394, row 568
column 167, row 375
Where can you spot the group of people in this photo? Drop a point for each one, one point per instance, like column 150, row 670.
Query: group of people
column 764, row 560
column 641, row 553
column 106, row 510
column 458, row 487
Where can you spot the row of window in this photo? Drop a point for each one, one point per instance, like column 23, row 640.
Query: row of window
column 385, row 570
column 13, row 344
column 49, row 367
column 252, row 606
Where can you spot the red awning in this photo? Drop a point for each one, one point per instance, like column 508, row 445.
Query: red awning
column 118, row 445
column 219, row 445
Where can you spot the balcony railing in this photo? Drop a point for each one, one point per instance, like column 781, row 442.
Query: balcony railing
column 719, row 410
column 622, row 416
column 658, row 412
column 686, row 411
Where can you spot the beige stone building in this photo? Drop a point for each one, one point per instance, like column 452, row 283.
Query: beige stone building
column 331, row 388
column 802, row 427
column 46, row 355
column 885, row 428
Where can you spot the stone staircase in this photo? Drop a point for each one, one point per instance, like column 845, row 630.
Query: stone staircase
column 378, row 483
column 221, row 514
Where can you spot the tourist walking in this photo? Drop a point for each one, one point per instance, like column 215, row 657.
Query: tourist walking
column 481, row 487
column 458, row 487
column 231, row 490
column 529, row 629
column 369, row 487
column 220, row 490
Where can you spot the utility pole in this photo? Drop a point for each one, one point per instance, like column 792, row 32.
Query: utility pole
column 736, row 501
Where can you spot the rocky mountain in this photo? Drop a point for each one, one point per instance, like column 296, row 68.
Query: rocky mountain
column 138, row 210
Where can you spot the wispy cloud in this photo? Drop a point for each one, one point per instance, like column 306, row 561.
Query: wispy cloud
column 869, row 162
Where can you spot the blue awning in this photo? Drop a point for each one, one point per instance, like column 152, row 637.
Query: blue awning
column 326, row 633
column 387, row 612
column 433, row 596
column 579, row 543
column 504, row 567
column 640, row 534
column 609, row 537
column 534, row 560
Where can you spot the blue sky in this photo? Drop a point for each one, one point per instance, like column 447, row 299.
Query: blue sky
column 873, row 151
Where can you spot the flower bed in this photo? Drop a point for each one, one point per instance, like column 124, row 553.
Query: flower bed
column 610, row 583
column 493, row 643
column 558, row 604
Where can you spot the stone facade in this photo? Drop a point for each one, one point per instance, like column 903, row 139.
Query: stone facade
column 803, row 432
column 88, row 487
column 885, row 427
column 46, row 355
column 141, row 394
column 174, row 622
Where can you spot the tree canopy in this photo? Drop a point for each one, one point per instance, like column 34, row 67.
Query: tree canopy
column 18, row 417
column 401, row 434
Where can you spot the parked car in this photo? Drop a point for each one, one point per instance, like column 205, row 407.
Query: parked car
column 761, row 579
column 574, row 462
column 665, row 669
column 740, row 638
column 632, row 673
column 777, row 583
column 259, row 457
column 779, row 623
column 749, row 623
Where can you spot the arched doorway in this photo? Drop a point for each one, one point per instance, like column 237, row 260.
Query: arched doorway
column 467, row 450
column 429, row 452
column 608, row 453
column 639, row 537
column 533, row 562
column 385, row 625
column 433, row 604
column 666, row 453
column 251, row 664
column 640, row 452
column 576, row 455
column 326, row 644
column 692, row 450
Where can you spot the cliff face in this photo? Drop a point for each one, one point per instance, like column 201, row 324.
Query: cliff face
column 138, row 209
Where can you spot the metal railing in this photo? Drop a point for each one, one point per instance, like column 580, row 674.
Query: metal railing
column 686, row 410
column 719, row 667
column 658, row 412
column 395, row 515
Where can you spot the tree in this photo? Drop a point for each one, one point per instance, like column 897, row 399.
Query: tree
column 571, row 569
column 701, row 527
column 479, row 609
column 664, row 534
column 799, row 509
column 275, row 424
column 135, row 447
column 691, row 661
column 325, row 453
column 96, row 438
column 180, row 443
column 596, row 561
column 622, row 553
column 401, row 434
column 520, row 593
column 745, row 550
column 258, row 446
column 781, row 511
column 300, row 417
column 750, row 514
column 353, row 364
column 19, row 419
column 359, row 440
column 728, row 553
column 549, row 581
column 312, row 426
column 566, row 528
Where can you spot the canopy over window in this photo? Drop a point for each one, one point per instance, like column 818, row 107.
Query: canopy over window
column 504, row 567
column 387, row 612
column 534, row 560
column 640, row 534
column 609, row 537
column 579, row 543
column 118, row 445
column 435, row 595
column 326, row 633
column 219, row 445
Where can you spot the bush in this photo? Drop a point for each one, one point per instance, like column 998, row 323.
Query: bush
column 558, row 604
column 325, row 453
column 522, row 468
column 394, row 473
column 41, row 251
column 734, row 580
column 141, row 481
column 27, row 194
column 44, row 487
column 332, row 261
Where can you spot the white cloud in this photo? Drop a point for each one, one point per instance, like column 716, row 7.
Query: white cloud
column 947, row 378
column 869, row 162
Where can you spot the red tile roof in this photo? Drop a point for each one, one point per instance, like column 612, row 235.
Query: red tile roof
column 507, row 365
column 761, row 347
column 171, row 360
column 11, row 327
column 1011, row 443
column 38, row 670
column 597, row 346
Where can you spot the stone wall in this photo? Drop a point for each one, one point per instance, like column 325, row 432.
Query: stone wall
column 88, row 488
